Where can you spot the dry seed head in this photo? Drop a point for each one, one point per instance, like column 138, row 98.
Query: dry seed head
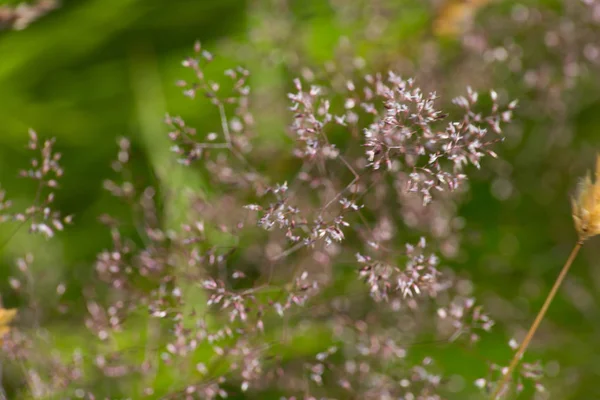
column 586, row 205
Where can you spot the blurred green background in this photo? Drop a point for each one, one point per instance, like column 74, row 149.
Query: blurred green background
column 92, row 71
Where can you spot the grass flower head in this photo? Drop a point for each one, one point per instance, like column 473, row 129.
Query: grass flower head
column 586, row 206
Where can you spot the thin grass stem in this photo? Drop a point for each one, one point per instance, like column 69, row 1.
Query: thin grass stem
column 536, row 322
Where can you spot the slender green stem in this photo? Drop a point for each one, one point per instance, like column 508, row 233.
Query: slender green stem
column 536, row 322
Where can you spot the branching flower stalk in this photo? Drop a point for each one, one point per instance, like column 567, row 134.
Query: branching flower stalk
column 586, row 216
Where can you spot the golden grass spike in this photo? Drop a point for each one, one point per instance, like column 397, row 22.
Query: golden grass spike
column 586, row 205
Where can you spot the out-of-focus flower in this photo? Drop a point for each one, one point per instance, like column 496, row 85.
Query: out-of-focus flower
column 456, row 16
column 586, row 205
column 19, row 17
column 6, row 316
